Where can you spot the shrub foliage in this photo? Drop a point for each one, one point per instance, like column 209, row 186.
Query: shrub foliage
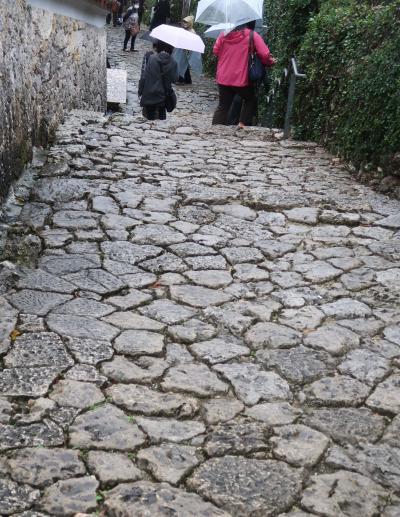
column 349, row 50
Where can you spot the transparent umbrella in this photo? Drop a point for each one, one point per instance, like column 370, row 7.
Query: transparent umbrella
column 237, row 12
column 215, row 30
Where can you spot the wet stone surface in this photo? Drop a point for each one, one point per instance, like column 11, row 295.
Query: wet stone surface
column 207, row 323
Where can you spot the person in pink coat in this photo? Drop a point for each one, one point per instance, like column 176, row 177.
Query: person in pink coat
column 232, row 51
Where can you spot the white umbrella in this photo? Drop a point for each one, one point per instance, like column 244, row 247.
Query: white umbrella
column 213, row 12
column 178, row 38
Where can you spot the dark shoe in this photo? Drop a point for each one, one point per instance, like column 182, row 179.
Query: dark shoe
column 134, row 50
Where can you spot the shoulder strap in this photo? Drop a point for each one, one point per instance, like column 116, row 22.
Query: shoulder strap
column 251, row 43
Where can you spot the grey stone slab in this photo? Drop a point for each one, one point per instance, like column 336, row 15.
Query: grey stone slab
column 197, row 296
column 332, row 338
column 274, row 249
column 206, row 262
column 112, row 467
column 141, row 399
column 191, row 249
column 167, row 462
column 392, row 432
column 298, row 364
column 37, row 302
column 165, row 263
column 271, row 335
column 299, row 445
column 304, row 215
column 157, row 499
column 392, row 221
column 347, row 425
column 75, row 219
column 167, row 312
column 38, row 349
column 252, row 384
column 242, row 254
column 380, row 462
column 7, row 324
column 218, row 350
column 35, row 215
column 65, row 264
column 76, row 394
column 191, row 331
column 89, row 351
column 96, row 280
column 61, row 190
column 131, row 320
column 194, row 378
column 250, row 273
column 42, row 434
column 392, row 333
column 247, row 486
column 81, row 327
column 43, row 281
column 167, row 429
column 107, row 428
column 346, row 308
column 85, row 306
column 213, row 279
column 338, row 390
column 27, row 382
column 158, row 234
column 16, row 498
column 42, row 466
column 139, row 342
column 343, row 493
column 143, row 369
column 128, row 252
column 304, row 318
column 132, row 299
column 85, row 373
column 221, row 409
column 365, row 366
column 273, row 413
column 237, row 437
column 70, row 496
column 386, row 396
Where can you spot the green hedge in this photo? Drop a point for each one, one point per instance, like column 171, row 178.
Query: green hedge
column 349, row 50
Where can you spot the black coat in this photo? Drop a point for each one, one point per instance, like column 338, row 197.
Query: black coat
column 151, row 85
column 162, row 11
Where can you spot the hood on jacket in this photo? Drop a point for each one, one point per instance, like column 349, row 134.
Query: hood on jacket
column 236, row 36
column 189, row 22
column 164, row 58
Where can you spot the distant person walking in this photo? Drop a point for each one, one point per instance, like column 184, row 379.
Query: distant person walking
column 156, row 80
column 232, row 51
column 131, row 25
column 162, row 12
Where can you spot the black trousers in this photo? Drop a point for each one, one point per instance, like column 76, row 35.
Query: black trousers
column 152, row 110
column 226, row 96
column 127, row 36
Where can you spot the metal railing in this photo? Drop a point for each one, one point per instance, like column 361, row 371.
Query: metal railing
column 294, row 74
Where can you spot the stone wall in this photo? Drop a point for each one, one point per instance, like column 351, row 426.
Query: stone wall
column 49, row 64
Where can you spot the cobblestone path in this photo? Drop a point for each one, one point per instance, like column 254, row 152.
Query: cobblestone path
column 197, row 321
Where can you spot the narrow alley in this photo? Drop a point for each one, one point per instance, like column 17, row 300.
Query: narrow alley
column 197, row 321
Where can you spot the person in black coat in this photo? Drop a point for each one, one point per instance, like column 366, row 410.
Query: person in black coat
column 152, row 85
column 162, row 11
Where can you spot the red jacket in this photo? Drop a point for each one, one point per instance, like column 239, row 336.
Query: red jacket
column 232, row 51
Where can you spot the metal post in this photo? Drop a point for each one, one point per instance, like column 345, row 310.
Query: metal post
column 289, row 107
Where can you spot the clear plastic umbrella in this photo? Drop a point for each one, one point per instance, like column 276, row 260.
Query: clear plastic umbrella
column 215, row 30
column 237, row 12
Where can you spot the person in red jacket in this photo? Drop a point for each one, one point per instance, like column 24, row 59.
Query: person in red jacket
column 232, row 51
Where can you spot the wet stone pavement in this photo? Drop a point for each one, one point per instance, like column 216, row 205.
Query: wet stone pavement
column 196, row 321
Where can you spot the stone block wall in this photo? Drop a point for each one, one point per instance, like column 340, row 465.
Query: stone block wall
column 49, row 64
